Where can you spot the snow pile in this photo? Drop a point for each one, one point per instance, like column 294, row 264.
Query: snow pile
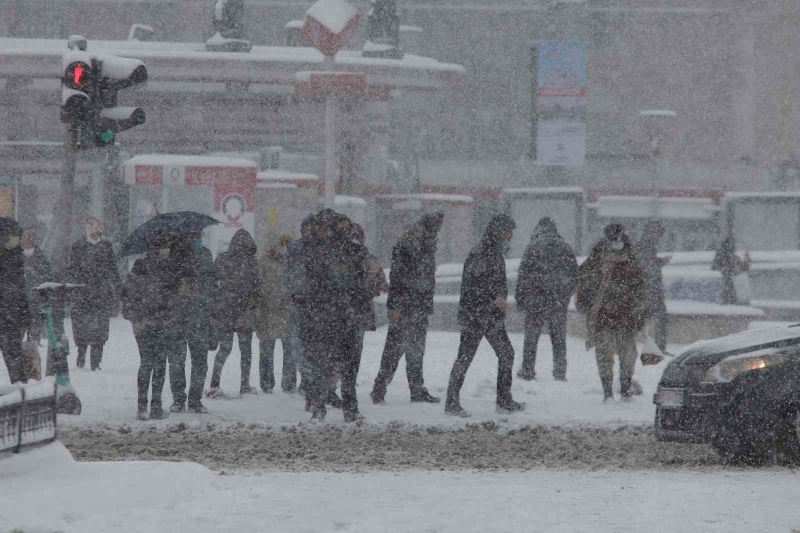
column 333, row 14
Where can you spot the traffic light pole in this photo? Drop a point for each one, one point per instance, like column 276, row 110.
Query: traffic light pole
column 62, row 234
column 115, row 210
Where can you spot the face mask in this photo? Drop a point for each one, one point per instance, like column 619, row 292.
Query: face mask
column 197, row 244
column 163, row 252
column 617, row 246
column 27, row 251
column 12, row 242
column 505, row 246
column 92, row 241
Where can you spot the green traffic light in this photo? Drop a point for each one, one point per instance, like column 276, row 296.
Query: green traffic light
column 107, row 136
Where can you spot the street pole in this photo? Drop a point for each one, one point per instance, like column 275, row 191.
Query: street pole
column 330, row 144
column 62, row 217
column 114, row 197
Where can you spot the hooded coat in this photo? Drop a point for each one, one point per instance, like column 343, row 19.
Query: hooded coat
column 412, row 278
column 611, row 288
column 14, row 310
column 548, row 271
column 94, row 267
column 239, row 286
column 150, row 294
column 272, row 313
column 484, row 277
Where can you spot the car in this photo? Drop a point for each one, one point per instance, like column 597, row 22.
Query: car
column 740, row 393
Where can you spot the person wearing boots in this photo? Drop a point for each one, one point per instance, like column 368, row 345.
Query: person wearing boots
column 410, row 302
column 92, row 264
column 150, row 301
column 197, row 292
column 238, row 296
column 545, row 284
column 15, row 316
column 611, row 293
column 481, row 313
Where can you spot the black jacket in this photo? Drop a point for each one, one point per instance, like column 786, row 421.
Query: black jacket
column 14, row 310
column 412, row 278
column 196, row 273
column 150, row 294
column 94, row 266
column 483, row 281
column 547, row 274
column 239, row 286
column 336, row 273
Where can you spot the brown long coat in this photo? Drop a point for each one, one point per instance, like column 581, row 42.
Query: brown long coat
column 272, row 314
column 611, row 289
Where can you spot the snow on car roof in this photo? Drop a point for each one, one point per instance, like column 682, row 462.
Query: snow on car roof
column 756, row 338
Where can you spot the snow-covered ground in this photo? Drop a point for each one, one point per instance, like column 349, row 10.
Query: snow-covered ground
column 44, row 490
column 109, row 396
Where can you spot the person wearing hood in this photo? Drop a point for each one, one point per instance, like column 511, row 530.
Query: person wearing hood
column 652, row 266
column 545, row 283
column 611, row 293
column 727, row 263
column 15, row 315
column 151, row 302
column 38, row 270
column 481, row 313
column 92, row 264
column 197, row 296
column 237, row 297
column 411, row 287
column 272, row 314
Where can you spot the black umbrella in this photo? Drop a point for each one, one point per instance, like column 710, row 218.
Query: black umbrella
column 175, row 225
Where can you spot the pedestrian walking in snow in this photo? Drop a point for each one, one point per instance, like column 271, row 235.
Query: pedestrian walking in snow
column 15, row 316
column 92, row 264
column 151, row 302
column 481, row 313
column 727, row 263
column 611, row 293
column 238, row 296
column 273, row 315
column 411, row 287
column 197, row 293
column 652, row 266
column 545, row 283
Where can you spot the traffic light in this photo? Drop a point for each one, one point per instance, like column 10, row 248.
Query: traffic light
column 77, row 88
column 116, row 73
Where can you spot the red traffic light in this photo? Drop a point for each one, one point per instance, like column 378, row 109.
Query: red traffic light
column 77, row 76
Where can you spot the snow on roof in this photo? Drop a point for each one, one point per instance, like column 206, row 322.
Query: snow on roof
column 295, row 24
column 188, row 161
column 543, row 190
column 646, row 207
column 657, row 113
column 430, row 197
column 278, row 175
column 794, row 195
column 266, row 185
column 333, row 14
column 342, row 200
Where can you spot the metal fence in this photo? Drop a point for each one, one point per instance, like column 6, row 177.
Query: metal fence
column 27, row 415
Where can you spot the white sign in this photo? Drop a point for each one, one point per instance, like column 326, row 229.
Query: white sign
column 561, row 143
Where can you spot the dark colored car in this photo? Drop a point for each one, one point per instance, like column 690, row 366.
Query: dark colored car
column 741, row 393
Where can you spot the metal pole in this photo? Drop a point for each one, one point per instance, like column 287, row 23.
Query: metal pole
column 330, row 144
column 114, row 196
column 62, row 217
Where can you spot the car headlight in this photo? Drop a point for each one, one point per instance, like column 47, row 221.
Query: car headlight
column 729, row 369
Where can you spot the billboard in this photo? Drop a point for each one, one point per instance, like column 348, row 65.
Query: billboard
column 561, row 73
column 561, row 143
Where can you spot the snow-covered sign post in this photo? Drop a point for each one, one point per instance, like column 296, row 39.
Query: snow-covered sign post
column 326, row 27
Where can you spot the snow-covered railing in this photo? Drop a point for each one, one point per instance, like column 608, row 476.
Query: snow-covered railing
column 27, row 415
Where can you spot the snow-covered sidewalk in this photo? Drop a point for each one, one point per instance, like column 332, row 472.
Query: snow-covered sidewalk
column 109, row 396
column 45, row 490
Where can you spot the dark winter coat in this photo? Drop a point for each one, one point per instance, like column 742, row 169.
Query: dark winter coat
column 94, row 266
column 197, row 292
column 336, row 273
column 652, row 266
column 239, row 286
column 611, row 289
column 376, row 284
column 412, row 278
column 15, row 314
column 483, row 281
column 547, row 274
column 150, row 294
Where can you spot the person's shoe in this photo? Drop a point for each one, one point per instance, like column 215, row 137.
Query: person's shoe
column 215, row 393
column 509, row 406
column 527, row 375
column 266, row 390
column 425, row 397
column 80, row 362
column 353, row 416
column 247, row 389
column 377, row 398
column 96, row 368
column 157, row 413
column 141, row 414
column 308, row 404
column 318, row 416
column 560, row 378
column 334, row 401
column 198, row 408
column 608, row 397
column 636, row 388
column 288, row 390
column 177, row 407
column 456, row 410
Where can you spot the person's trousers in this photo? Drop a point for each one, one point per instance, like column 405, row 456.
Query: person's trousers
column 330, row 350
column 245, row 337
column 555, row 317
column 347, row 368
column 11, row 346
column 660, row 321
column 95, row 355
column 406, row 336
column 198, row 351
column 621, row 342
column 471, row 336
column 266, row 365
column 154, row 346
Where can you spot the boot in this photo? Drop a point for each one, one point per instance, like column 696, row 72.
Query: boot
column 526, row 374
column 423, row 396
column 157, row 413
column 141, row 414
column 353, row 416
column 198, row 408
column 608, row 390
column 318, row 416
column 333, row 400
column 625, row 388
column 508, row 405
column 453, row 408
column 245, row 388
column 377, row 397
column 177, row 407
column 215, row 393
